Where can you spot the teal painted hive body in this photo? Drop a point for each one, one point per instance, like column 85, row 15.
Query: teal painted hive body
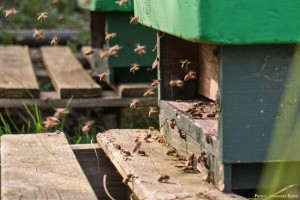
column 105, row 5
column 224, row 22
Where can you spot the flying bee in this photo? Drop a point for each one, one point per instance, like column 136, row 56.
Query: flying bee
column 87, row 127
column 134, row 67
column 185, row 63
column 140, row 49
column 137, row 145
column 134, row 104
column 149, row 92
column 104, row 54
column 134, row 20
column 121, row 2
column 42, row 16
column 190, row 75
column 152, row 111
column 176, row 83
column 114, row 50
column 89, row 52
column 110, row 36
column 127, row 178
column 54, row 40
column 155, row 83
column 10, row 12
column 38, row 34
column 155, row 64
column 102, row 76
column 60, row 112
column 163, row 178
column 51, row 122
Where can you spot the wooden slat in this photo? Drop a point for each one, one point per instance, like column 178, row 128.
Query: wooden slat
column 51, row 100
column 148, row 168
column 41, row 166
column 67, row 75
column 86, row 156
column 17, row 76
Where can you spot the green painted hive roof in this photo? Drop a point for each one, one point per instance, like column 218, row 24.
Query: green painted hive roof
column 105, row 5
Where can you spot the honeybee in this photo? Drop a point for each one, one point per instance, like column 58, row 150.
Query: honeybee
column 152, row 110
column 114, row 50
column 38, row 34
column 154, row 65
column 172, row 123
column 42, row 16
column 176, row 83
column 137, row 145
column 117, row 146
column 149, row 92
column 171, row 152
column 134, row 67
column 163, row 178
column 141, row 152
column 190, row 75
column 102, row 76
column 151, row 128
column 140, row 49
column 10, row 12
column 134, row 20
column 185, row 63
column 182, row 134
column 121, row 2
column 87, row 127
column 51, row 122
column 89, row 52
column 190, row 161
column 104, row 54
column 60, row 112
column 134, row 104
column 54, row 40
column 208, row 139
column 126, row 152
column 110, row 36
column 155, row 83
column 147, row 136
column 127, row 178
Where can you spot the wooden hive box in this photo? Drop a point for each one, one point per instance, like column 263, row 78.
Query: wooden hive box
column 250, row 76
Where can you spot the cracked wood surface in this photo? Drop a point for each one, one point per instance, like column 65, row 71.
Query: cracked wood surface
column 148, row 168
column 41, row 166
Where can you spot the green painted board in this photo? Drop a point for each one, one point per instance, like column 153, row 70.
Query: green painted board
column 105, row 5
column 224, row 22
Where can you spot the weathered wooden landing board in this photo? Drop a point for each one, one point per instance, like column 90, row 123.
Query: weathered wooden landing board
column 17, row 76
column 41, row 166
column 148, row 168
column 67, row 75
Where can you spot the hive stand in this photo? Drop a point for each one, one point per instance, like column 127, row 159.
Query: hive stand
column 247, row 73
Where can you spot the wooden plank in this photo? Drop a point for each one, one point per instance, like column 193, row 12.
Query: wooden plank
column 17, row 76
column 171, row 51
column 51, row 100
column 148, row 169
column 94, row 171
column 209, row 70
column 41, row 166
column 67, row 75
column 134, row 89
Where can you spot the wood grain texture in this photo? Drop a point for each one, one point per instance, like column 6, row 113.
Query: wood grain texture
column 67, row 75
column 51, row 100
column 86, row 156
column 41, row 166
column 171, row 51
column 148, row 169
column 17, row 75
column 209, row 70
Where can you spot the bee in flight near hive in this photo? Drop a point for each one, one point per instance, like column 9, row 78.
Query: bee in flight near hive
column 110, row 36
column 89, row 52
column 114, row 50
column 10, row 12
column 51, row 122
column 140, row 49
column 176, row 83
column 134, row 104
column 149, row 92
column 87, row 127
column 60, row 112
column 102, row 76
column 155, row 83
column 152, row 111
column 134, row 67
column 190, row 75
column 38, row 34
column 134, row 20
column 42, row 16
column 122, row 2
column 54, row 40
column 185, row 64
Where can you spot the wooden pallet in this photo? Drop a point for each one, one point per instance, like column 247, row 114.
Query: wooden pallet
column 73, row 85
column 147, row 169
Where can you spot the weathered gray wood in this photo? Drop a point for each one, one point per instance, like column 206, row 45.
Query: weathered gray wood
column 67, row 75
column 148, row 169
column 17, row 76
column 51, row 100
column 86, row 156
column 41, row 166
column 134, row 89
column 209, row 70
